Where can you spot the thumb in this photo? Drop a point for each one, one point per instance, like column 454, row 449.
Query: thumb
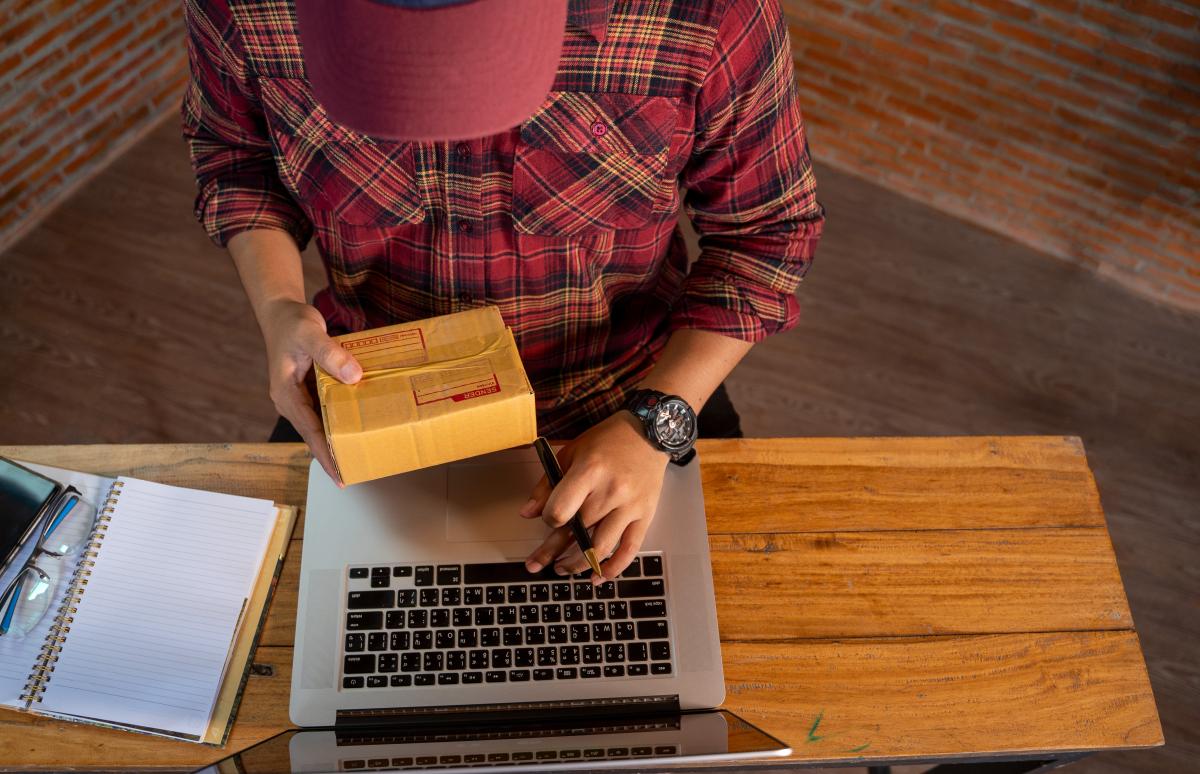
column 332, row 358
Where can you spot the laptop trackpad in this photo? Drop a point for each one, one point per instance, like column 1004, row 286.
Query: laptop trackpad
column 482, row 501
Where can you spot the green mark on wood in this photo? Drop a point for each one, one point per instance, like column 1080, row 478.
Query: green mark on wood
column 860, row 748
column 812, row 732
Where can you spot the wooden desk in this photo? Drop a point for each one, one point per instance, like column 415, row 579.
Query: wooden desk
column 880, row 600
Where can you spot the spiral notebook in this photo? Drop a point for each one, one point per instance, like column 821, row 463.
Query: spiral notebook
column 158, row 615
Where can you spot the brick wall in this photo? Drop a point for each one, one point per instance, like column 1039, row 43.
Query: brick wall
column 79, row 80
column 1072, row 125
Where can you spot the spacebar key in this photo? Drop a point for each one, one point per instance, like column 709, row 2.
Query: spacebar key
column 504, row 572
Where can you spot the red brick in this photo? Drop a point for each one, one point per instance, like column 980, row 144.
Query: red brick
column 1184, row 19
column 959, row 11
column 1186, row 46
column 972, row 38
column 1111, row 21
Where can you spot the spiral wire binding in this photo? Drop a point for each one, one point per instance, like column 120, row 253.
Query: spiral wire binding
column 65, row 615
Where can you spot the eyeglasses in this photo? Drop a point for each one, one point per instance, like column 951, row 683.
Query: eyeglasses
column 67, row 529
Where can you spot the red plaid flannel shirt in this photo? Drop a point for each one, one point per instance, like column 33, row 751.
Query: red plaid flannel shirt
column 566, row 222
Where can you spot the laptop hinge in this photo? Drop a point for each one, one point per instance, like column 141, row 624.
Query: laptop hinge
column 568, row 711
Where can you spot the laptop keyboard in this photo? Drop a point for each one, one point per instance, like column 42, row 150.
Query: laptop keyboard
column 420, row 625
column 535, row 756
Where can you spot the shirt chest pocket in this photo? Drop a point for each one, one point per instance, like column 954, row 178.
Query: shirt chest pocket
column 327, row 167
column 592, row 161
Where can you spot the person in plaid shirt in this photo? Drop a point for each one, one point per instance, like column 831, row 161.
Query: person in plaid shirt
column 566, row 220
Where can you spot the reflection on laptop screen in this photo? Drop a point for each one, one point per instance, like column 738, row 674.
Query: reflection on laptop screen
column 714, row 735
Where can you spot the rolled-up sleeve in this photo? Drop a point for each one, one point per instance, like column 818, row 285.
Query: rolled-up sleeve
column 223, row 122
column 750, row 189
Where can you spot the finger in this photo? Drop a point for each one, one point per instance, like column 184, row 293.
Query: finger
column 631, row 543
column 604, row 539
column 332, row 357
column 299, row 412
column 567, row 498
column 551, row 547
column 537, row 499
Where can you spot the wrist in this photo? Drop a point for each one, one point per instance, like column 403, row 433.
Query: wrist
column 633, row 427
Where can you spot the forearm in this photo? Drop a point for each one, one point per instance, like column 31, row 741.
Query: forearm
column 694, row 363
column 268, row 263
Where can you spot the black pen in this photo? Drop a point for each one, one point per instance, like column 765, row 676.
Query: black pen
column 554, row 474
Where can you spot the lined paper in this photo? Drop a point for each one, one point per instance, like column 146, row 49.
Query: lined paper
column 155, row 624
column 18, row 655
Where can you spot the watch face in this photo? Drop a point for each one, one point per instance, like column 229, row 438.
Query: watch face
column 674, row 424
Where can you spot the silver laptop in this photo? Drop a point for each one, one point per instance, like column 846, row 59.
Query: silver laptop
column 415, row 604
column 643, row 742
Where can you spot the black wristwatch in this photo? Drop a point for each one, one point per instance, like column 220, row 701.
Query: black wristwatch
column 669, row 422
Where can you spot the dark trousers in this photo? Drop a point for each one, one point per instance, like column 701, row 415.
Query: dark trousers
column 718, row 419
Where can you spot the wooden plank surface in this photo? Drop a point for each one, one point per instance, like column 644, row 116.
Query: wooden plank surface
column 996, row 626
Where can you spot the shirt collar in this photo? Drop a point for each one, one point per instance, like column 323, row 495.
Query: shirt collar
column 591, row 16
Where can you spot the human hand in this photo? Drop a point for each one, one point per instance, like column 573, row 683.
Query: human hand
column 613, row 476
column 296, row 337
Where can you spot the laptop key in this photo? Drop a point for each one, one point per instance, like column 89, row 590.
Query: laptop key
column 634, row 570
column 424, row 679
column 539, row 592
column 519, row 676
column 495, row 595
column 517, row 595
column 469, row 678
column 557, row 634
column 406, row 598
column 451, row 597
column 376, row 681
column 489, row 638
column 402, row 571
column 560, row 592
column 433, row 661
column 439, row 618
column 418, row 619
column 606, row 590
column 468, row 638
column 648, row 608
column 664, row 749
column 589, row 671
column 512, row 635
column 568, row 655
column 637, row 651
column 595, row 611
column 359, row 664
column 614, row 654
column 546, row 755
column 573, row 612
column 652, row 565
column 506, row 616
column 535, row 635
column 583, row 590
column 429, row 597
column 523, row 657
column 448, row 678
column 364, row 620
column 401, row 681
column 636, row 670
column 422, row 640
column 602, row 632
column 473, row 595
column 399, row 641
column 380, row 580
column 478, row 659
column 592, row 654
column 382, row 598
column 660, row 668
column 646, row 587
column 377, row 641
column 551, row 613
column 410, row 662
column 660, row 651
column 395, row 619
column 528, row 614
column 652, row 630
column 502, row 659
column 359, row 572
column 449, row 574
column 581, row 633
column 462, row 616
column 547, row 656
column 352, row 682
column 566, row 673
column 496, row 677
column 423, row 575
column 623, row 630
column 444, row 638
column 641, row 751
column 485, row 616
column 356, row 642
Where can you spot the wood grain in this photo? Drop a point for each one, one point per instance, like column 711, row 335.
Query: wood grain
column 922, row 642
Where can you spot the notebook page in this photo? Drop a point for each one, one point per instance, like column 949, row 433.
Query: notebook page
column 153, row 630
column 18, row 656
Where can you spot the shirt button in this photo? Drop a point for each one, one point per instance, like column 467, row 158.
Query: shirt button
column 463, row 150
column 464, row 226
column 598, row 128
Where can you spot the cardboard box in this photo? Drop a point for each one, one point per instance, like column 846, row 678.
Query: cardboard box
column 432, row 391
